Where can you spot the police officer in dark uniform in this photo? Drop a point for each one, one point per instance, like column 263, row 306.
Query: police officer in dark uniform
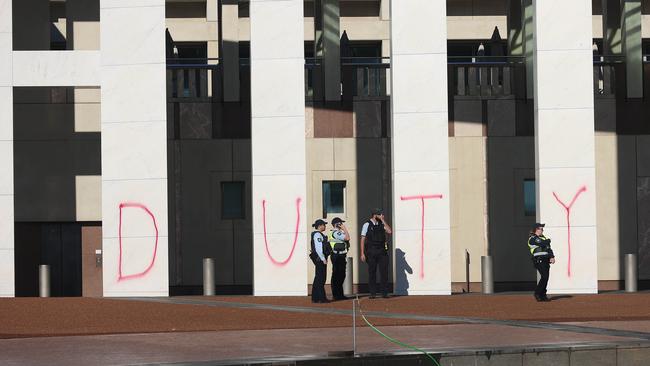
column 374, row 251
column 542, row 256
column 339, row 240
column 320, row 250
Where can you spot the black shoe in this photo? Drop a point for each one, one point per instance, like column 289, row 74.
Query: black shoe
column 341, row 298
column 538, row 298
column 372, row 296
column 385, row 296
column 545, row 299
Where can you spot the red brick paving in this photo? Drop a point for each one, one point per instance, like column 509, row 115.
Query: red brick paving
column 29, row 317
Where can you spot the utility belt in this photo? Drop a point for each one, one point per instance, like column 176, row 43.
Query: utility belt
column 341, row 252
column 378, row 246
column 540, row 258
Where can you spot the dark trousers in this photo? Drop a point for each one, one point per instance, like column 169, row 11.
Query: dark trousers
column 338, row 275
column 377, row 257
column 318, row 288
column 543, row 266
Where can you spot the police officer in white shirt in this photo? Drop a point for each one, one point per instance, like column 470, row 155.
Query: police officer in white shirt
column 339, row 240
column 320, row 250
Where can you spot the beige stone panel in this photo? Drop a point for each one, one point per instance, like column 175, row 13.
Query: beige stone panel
column 87, row 117
column 245, row 29
column 362, row 29
column 645, row 26
column 468, row 205
column 193, row 29
column 88, row 190
column 320, row 154
column 61, row 26
column 309, row 121
column 87, row 95
column 468, row 129
column 597, row 26
column 345, row 154
column 607, row 208
column 213, row 51
column 358, row 29
column 86, row 35
column 478, row 27
column 212, row 10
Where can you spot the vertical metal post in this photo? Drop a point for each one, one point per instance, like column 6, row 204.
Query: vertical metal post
column 630, row 273
column 347, row 284
column 486, row 274
column 467, row 269
column 354, row 326
column 44, row 280
column 208, row 277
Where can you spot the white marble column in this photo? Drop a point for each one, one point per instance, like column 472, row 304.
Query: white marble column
column 134, row 158
column 420, row 145
column 6, row 152
column 278, row 148
column 564, row 141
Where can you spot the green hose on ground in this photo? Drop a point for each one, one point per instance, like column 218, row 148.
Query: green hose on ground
column 393, row 340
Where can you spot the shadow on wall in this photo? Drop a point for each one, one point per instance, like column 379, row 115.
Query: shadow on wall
column 402, row 268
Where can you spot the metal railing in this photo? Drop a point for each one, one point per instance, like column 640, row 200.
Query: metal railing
column 198, row 79
column 365, row 77
column 487, row 76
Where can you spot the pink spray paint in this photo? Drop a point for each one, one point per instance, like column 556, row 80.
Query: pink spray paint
column 567, row 209
column 120, row 276
column 421, row 198
column 295, row 238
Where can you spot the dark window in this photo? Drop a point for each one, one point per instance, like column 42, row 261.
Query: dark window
column 333, row 197
column 529, row 197
column 232, row 200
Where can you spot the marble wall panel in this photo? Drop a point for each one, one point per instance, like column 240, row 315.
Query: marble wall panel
column 420, row 151
column 134, row 143
column 278, row 148
column 56, row 68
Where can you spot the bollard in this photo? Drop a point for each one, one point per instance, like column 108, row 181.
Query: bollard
column 486, row 274
column 208, row 277
column 44, row 280
column 630, row 273
column 347, row 284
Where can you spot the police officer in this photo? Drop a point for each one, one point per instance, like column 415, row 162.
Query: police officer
column 374, row 251
column 543, row 257
column 339, row 240
column 320, row 250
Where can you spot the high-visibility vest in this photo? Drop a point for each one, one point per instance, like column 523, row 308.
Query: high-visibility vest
column 338, row 246
column 537, row 246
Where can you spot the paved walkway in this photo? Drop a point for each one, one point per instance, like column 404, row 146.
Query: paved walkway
column 440, row 333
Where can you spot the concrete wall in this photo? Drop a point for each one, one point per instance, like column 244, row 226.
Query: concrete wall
column 56, row 165
column 203, row 232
